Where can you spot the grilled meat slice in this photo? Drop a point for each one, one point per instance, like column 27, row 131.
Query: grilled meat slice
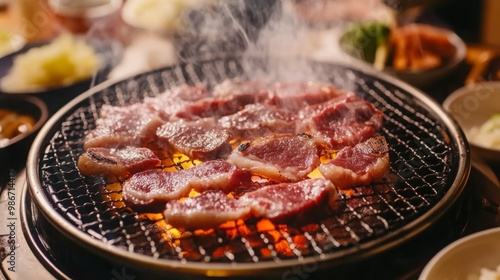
column 116, row 163
column 286, row 157
column 171, row 102
column 121, row 126
column 292, row 202
column 342, row 121
column 248, row 92
column 281, row 203
column 201, row 139
column 257, row 120
column 362, row 164
column 148, row 191
column 207, row 210
column 297, row 95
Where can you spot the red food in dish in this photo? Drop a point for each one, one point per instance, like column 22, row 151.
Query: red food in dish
column 418, row 47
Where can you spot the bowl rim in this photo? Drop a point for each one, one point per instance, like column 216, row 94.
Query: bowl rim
column 66, row 8
column 131, row 19
column 448, row 248
column 44, row 115
column 470, row 89
column 492, row 85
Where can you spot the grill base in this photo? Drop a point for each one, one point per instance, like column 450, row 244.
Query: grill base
column 429, row 170
column 67, row 259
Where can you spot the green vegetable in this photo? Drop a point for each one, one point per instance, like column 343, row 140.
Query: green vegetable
column 488, row 134
column 367, row 41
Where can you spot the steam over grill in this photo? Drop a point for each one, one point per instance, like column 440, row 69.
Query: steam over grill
column 429, row 167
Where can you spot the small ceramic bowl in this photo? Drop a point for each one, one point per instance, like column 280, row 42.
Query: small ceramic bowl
column 13, row 152
column 429, row 77
column 471, row 107
column 157, row 16
column 426, row 78
column 464, row 258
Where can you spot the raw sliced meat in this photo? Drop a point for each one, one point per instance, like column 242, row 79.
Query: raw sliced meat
column 258, row 120
column 342, row 121
column 281, row 203
column 149, row 190
column 286, row 157
column 297, row 95
column 206, row 210
column 362, row 164
column 201, row 139
column 117, row 163
column 227, row 98
column 211, row 107
column 171, row 102
column 247, row 92
column 292, row 202
column 121, row 126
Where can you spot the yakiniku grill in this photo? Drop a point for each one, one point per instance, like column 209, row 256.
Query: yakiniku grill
column 429, row 169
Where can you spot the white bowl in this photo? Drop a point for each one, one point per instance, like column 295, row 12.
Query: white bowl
column 464, row 258
column 472, row 106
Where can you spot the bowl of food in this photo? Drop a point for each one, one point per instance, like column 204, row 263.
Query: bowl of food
column 419, row 54
column 56, row 71
column 160, row 16
column 476, row 256
column 21, row 117
column 476, row 108
column 10, row 42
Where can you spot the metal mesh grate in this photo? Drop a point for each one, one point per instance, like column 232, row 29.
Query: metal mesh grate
column 423, row 163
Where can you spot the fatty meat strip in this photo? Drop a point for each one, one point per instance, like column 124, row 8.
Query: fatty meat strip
column 285, row 202
column 201, row 139
column 342, row 121
column 117, row 163
column 361, row 164
column 257, row 120
column 121, row 126
column 171, row 103
column 148, row 191
column 284, row 158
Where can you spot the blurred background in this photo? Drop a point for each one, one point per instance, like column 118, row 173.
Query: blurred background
column 134, row 36
column 475, row 21
column 127, row 37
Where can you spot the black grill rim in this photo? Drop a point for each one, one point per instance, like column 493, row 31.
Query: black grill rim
column 361, row 251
